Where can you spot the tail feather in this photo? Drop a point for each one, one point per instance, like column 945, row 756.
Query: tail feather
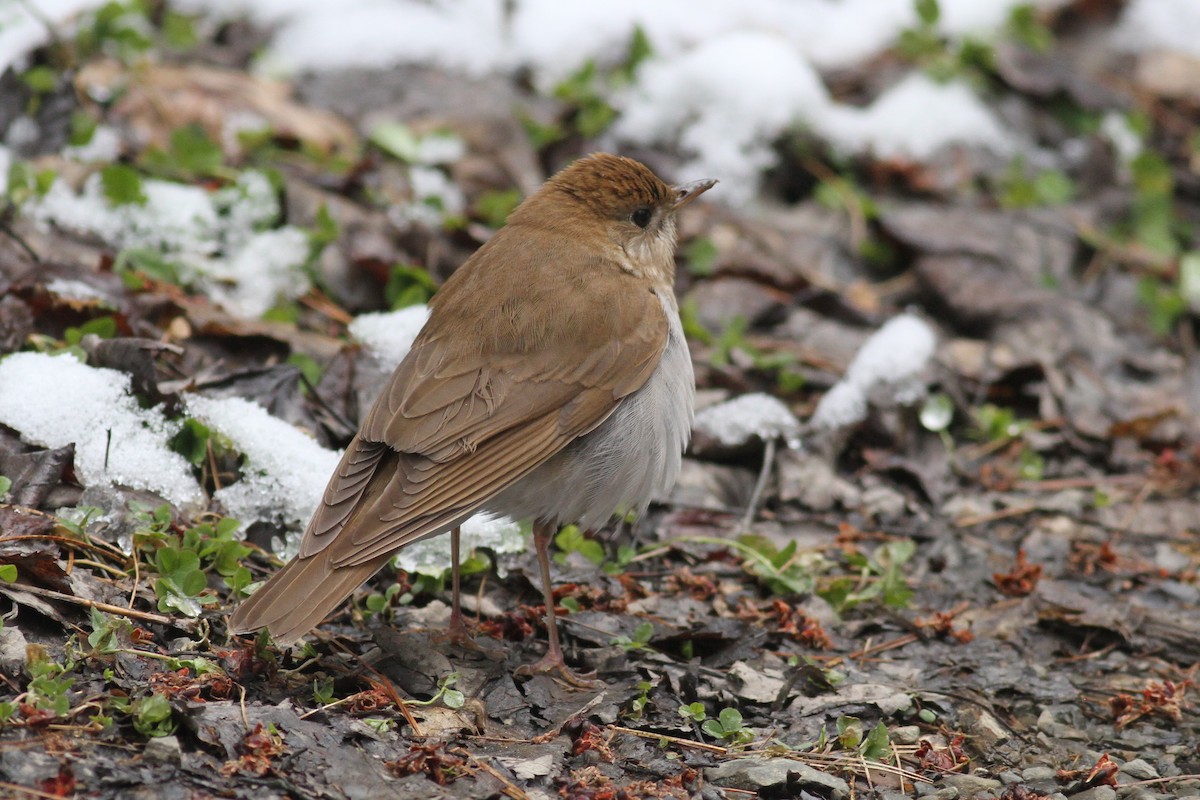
column 300, row 596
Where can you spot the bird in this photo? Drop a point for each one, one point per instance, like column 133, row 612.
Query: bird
column 551, row 383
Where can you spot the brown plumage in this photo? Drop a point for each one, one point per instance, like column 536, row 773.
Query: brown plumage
column 565, row 316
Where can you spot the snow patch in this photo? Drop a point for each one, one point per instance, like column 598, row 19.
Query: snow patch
column 389, row 334
column 890, row 361
column 432, row 556
column 214, row 237
column 285, row 471
column 54, row 401
column 1154, row 25
column 736, row 421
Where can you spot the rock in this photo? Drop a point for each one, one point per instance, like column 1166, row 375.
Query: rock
column 12, row 650
column 984, row 727
column 1139, row 769
column 1039, row 773
column 755, row 686
column 754, row 774
column 1096, row 793
column 906, row 734
column 970, row 785
column 163, row 750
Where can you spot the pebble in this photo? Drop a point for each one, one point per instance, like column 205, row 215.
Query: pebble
column 753, row 774
column 1096, row 793
column 162, row 750
column 971, row 785
column 1039, row 773
column 1139, row 769
column 905, row 734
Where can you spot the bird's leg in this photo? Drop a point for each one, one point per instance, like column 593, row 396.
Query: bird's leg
column 553, row 660
column 458, row 632
column 457, row 629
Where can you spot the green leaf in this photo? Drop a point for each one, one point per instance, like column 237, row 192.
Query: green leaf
column 122, row 185
column 639, row 51
column 8, row 573
column 40, row 79
column 877, row 746
column 179, row 31
column 701, row 256
column 850, row 732
column 730, row 718
column 928, row 11
column 104, row 327
column 83, row 127
column 134, row 262
column 191, row 441
column 193, row 153
column 453, row 698
column 5, row 485
column 325, row 230
column 396, row 139
column 152, row 716
column 408, row 285
column 493, row 208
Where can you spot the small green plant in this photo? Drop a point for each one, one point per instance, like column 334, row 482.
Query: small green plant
column 700, row 255
column 322, row 691
column 8, row 573
column 1048, row 187
column 382, row 603
column 586, row 90
column 694, row 712
column 493, row 208
column 637, row 706
column 408, row 285
column 152, row 716
column 943, row 60
column 784, row 571
column 572, row 540
column 190, row 155
column 728, row 728
column 880, row 576
column 640, row 640
column 181, row 561
column 379, row 724
column 109, row 634
column 122, row 185
column 876, row 745
column 450, row 697
column 26, row 183
column 1025, row 27
column 49, row 687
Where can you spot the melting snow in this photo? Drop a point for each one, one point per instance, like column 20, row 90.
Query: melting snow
column 55, row 401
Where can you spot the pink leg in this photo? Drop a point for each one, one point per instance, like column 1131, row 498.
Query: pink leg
column 553, row 661
column 458, row 632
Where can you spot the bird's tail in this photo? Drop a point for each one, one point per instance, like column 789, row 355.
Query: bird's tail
column 298, row 597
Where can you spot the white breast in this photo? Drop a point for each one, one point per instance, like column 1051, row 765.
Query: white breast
column 631, row 458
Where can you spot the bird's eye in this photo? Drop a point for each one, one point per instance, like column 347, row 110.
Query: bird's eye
column 640, row 217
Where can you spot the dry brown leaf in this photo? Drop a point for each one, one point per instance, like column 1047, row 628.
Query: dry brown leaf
column 160, row 98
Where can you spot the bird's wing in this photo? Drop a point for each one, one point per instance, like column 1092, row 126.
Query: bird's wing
column 465, row 416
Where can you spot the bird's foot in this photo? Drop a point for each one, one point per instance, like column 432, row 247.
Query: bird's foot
column 553, row 664
column 461, row 634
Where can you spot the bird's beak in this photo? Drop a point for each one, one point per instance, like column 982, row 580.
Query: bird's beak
column 687, row 192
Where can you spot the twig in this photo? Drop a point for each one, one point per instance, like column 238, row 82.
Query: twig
column 761, row 484
column 662, row 737
column 510, row 788
column 25, row 790
column 978, row 519
column 146, row 616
